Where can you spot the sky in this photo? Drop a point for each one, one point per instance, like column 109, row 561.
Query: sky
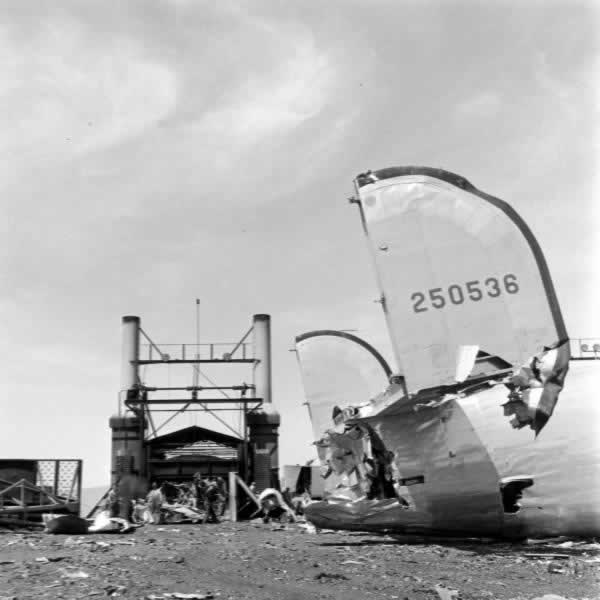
column 155, row 152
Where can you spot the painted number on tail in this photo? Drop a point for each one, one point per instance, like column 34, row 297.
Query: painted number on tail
column 471, row 291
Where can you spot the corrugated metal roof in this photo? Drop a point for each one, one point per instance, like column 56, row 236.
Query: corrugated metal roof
column 192, row 434
column 204, row 448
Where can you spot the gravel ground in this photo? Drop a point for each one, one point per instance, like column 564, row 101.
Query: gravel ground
column 235, row 561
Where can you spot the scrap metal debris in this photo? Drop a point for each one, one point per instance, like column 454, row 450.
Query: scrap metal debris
column 180, row 596
column 74, row 574
column 444, row 593
column 221, row 561
column 329, row 576
column 535, row 387
column 189, row 596
column 103, row 523
column 114, row 590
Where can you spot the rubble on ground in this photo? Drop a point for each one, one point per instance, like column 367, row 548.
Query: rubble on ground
column 252, row 561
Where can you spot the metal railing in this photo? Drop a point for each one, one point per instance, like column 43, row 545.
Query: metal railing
column 30, row 487
column 217, row 350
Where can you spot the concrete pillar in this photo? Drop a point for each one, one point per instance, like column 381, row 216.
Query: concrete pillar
column 263, row 425
column 130, row 352
column 263, row 440
column 127, row 452
column 128, row 460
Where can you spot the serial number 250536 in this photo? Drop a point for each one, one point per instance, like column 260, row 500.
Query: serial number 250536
column 457, row 294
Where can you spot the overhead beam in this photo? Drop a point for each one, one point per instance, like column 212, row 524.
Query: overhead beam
column 194, row 401
column 200, row 410
column 199, row 388
column 178, row 361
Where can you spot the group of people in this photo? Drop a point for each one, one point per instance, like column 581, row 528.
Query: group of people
column 207, row 495
column 211, row 496
column 201, row 499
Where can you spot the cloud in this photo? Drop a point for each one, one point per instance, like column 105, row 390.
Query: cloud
column 285, row 80
column 481, row 105
column 65, row 93
column 274, row 103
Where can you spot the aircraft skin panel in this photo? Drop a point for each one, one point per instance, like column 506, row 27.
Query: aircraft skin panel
column 364, row 515
column 459, row 476
column 451, row 266
column 360, row 373
column 563, row 460
column 463, row 449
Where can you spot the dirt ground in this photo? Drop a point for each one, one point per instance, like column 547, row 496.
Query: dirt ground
column 236, row 561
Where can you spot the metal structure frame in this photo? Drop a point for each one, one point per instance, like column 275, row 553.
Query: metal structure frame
column 24, row 500
column 146, row 401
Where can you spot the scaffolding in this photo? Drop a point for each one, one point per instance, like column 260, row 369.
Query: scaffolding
column 154, row 406
column 30, row 487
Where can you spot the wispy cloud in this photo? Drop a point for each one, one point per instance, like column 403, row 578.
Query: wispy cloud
column 275, row 103
column 479, row 106
column 62, row 94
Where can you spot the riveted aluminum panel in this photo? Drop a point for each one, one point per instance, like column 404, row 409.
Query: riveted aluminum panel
column 457, row 268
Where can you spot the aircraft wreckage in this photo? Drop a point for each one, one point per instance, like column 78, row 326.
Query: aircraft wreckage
column 478, row 337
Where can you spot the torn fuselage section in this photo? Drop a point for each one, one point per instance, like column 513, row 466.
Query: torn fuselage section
column 359, row 465
column 534, row 387
column 473, row 319
column 411, row 464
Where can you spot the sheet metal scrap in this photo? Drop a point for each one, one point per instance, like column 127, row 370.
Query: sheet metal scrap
column 534, row 388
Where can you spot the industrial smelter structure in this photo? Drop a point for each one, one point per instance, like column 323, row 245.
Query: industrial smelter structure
column 139, row 455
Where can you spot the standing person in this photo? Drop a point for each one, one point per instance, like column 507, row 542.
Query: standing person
column 155, row 500
column 112, row 500
column 222, row 495
column 287, row 496
column 211, row 502
column 200, row 485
